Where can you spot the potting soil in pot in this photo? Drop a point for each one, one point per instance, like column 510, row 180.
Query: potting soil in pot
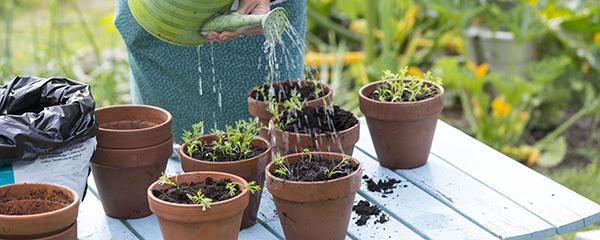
column 282, row 92
column 39, row 201
column 376, row 95
column 315, row 168
column 318, row 120
column 216, row 190
column 221, row 156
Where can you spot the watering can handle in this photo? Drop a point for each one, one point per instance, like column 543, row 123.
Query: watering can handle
column 232, row 22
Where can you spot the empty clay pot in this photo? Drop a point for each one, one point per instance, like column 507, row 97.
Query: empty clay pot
column 402, row 132
column 51, row 211
column 314, row 210
column 251, row 169
column 187, row 221
column 341, row 142
column 132, row 126
column 259, row 108
column 134, row 145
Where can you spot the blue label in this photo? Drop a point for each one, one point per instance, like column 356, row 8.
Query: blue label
column 6, row 174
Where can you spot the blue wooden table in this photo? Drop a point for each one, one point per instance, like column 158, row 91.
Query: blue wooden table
column 467, row 190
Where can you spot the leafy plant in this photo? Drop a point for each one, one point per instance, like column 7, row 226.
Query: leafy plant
column 235, row 141
column 404, row 87
column 164, row 179
column 251, row 186
column 282, row 169
column 200, row 199
column 335, row 170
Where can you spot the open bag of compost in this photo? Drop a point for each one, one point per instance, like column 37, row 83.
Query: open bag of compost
column 47, row 132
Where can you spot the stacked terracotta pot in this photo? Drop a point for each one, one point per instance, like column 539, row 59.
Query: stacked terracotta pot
column 134, row 145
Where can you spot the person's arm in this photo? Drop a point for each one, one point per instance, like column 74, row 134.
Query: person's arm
column 245, row 7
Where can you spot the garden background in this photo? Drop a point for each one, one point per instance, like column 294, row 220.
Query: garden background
column 520, row 75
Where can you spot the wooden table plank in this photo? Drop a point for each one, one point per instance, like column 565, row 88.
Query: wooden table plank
column 417, row 209
column 558, row 205
column 93, row 224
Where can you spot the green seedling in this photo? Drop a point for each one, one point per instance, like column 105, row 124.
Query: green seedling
column 164, row 179
column 231, row 188
column 200, row 199
column 235, row 141
column 252, row 187
column 282, row 170
column 405, row 87
column 307, row 151
column 335, row 170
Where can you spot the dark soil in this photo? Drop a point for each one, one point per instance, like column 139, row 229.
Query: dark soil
column 385, row 187
column 434, row 92
column 365, row 210
column 39, row 201
column 315, row 169
column 282, row 92
column 213, row 189
column 203, row 154
column 319, row 120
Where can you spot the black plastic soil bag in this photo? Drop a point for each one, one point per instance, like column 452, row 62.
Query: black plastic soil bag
column 40, row 115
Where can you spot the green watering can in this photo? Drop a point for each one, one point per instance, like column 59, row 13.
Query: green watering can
column 186, row 22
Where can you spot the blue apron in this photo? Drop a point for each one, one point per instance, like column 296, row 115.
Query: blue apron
column 166, row 75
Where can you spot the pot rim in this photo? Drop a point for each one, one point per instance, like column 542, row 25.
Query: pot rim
column 350, row 129
column 358, row 169
column 45, row 214
column 362, row 94
column 136, row 149
column 325, row 86
column 259, row 138
column 181, row 205
column 162, row 124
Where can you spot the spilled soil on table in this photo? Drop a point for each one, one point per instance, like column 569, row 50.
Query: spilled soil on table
column 365, row 211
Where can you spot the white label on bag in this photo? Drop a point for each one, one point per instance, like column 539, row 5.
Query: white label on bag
column 67, row 166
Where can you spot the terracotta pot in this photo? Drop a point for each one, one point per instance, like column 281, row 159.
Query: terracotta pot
column 123, row 175
column 185, row 221
column 55, row 224
column 291, row 142
column 259, row 108
column 132, row 126
column 402, row 132
column 134, row 145
column 314, row 210
column 251, row 169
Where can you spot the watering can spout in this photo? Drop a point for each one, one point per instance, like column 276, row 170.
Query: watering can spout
column 186, row 22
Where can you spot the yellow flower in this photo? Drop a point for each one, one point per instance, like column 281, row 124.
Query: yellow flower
column 479, row 71
column 524, row 116
column 415, row 71
column 585, row 67
column 597, row 37
column 501, row 107
column 534, row 156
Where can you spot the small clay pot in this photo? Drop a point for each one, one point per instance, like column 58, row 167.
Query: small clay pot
column 251, row 169
column 58, row 207
column 132, row 126
column 341, row 142
column 123, row 175
column 186, row 221
column 134, row 145
column 314, row 210
column 402, row 132
column 259, row 108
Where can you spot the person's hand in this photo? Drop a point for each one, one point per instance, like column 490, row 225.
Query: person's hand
column 245, row 7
